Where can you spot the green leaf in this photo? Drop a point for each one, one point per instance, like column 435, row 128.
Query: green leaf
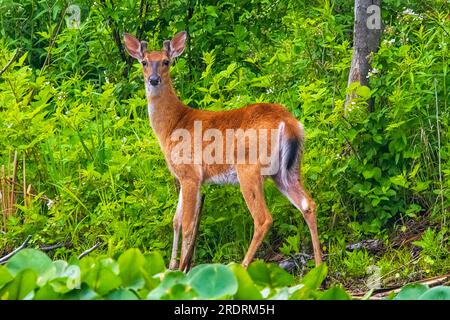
column 399, row 180
column 180, row 291
column 271, row 275
column 211, row 11
column 122, row 294
column 411, row 292
column 47, row 293
column 34, row 260
column 154, row 263
column 21, row 287
column 101, row 279
column 363, row 92
column 436, row 293
column 131, row 264
column 314, row 278
column 311, row 282
column 213, row 281
column 5, row 276
column 171, row 278
column 335, row 293
column 373, row 172
column 85, row 293
column 246, row 288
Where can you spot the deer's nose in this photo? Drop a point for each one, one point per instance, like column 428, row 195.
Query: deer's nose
column 154, row 80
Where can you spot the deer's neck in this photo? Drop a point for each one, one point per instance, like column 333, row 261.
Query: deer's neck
column 165, row 109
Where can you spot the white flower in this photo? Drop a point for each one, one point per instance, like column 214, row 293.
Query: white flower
column 50, row 203
column 124, row 140
column 269, row 91
column 372, row 72
column 409, row 12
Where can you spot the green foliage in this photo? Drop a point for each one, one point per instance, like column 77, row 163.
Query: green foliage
column 423, row 292
column 30, row 274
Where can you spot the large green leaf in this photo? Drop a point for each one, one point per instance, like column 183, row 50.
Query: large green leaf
column 411, row 292
column 131, row 264
column 170, row 279
column 180, row 291
column 102, row 279
column 363, row 92
column 84, row 293
column 21, row 287
column 34, row 260
column 47, row 293
column 5, row 276
column 154, row 263
column 269, row 275
column 122, row 294
column 436, row 293
column 310, row 283
column 246, row 288
column 335, row 293
column 314, row 278
column 213, row 281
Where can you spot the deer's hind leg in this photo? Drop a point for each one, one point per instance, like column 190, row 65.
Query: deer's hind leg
column 251, row 183
column 291, row 186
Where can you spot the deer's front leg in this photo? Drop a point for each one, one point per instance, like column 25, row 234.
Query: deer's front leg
column 176, row 232
column 190, row 195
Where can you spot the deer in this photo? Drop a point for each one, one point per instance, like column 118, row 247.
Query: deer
column 168, row 114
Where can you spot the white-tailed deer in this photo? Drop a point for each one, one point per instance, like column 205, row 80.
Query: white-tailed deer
column 228, row 150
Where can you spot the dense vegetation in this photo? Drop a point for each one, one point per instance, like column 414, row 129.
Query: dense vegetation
column 89, row 168
column 30, row 274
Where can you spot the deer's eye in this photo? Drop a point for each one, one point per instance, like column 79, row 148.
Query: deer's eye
column 166, row 62
column 144, row 63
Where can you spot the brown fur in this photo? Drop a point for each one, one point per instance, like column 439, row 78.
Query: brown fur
column 168, row 113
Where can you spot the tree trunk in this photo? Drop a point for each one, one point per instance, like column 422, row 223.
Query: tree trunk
column 366, row 39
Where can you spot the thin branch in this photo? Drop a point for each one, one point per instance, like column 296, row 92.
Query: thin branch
column 16, row 56
column 22, row 246
column 24, row 181
column 433, row 282
column 117, row 38
column 55, row 246
column 52, row 43
column 189, row 14
column 14, row 176
column 441, row 191
column 85, row 253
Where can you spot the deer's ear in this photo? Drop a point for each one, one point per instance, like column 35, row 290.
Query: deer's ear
column 166, row 46
column 134, row 47
column 176, row 46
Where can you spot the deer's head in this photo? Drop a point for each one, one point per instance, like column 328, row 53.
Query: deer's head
column 155, row 64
